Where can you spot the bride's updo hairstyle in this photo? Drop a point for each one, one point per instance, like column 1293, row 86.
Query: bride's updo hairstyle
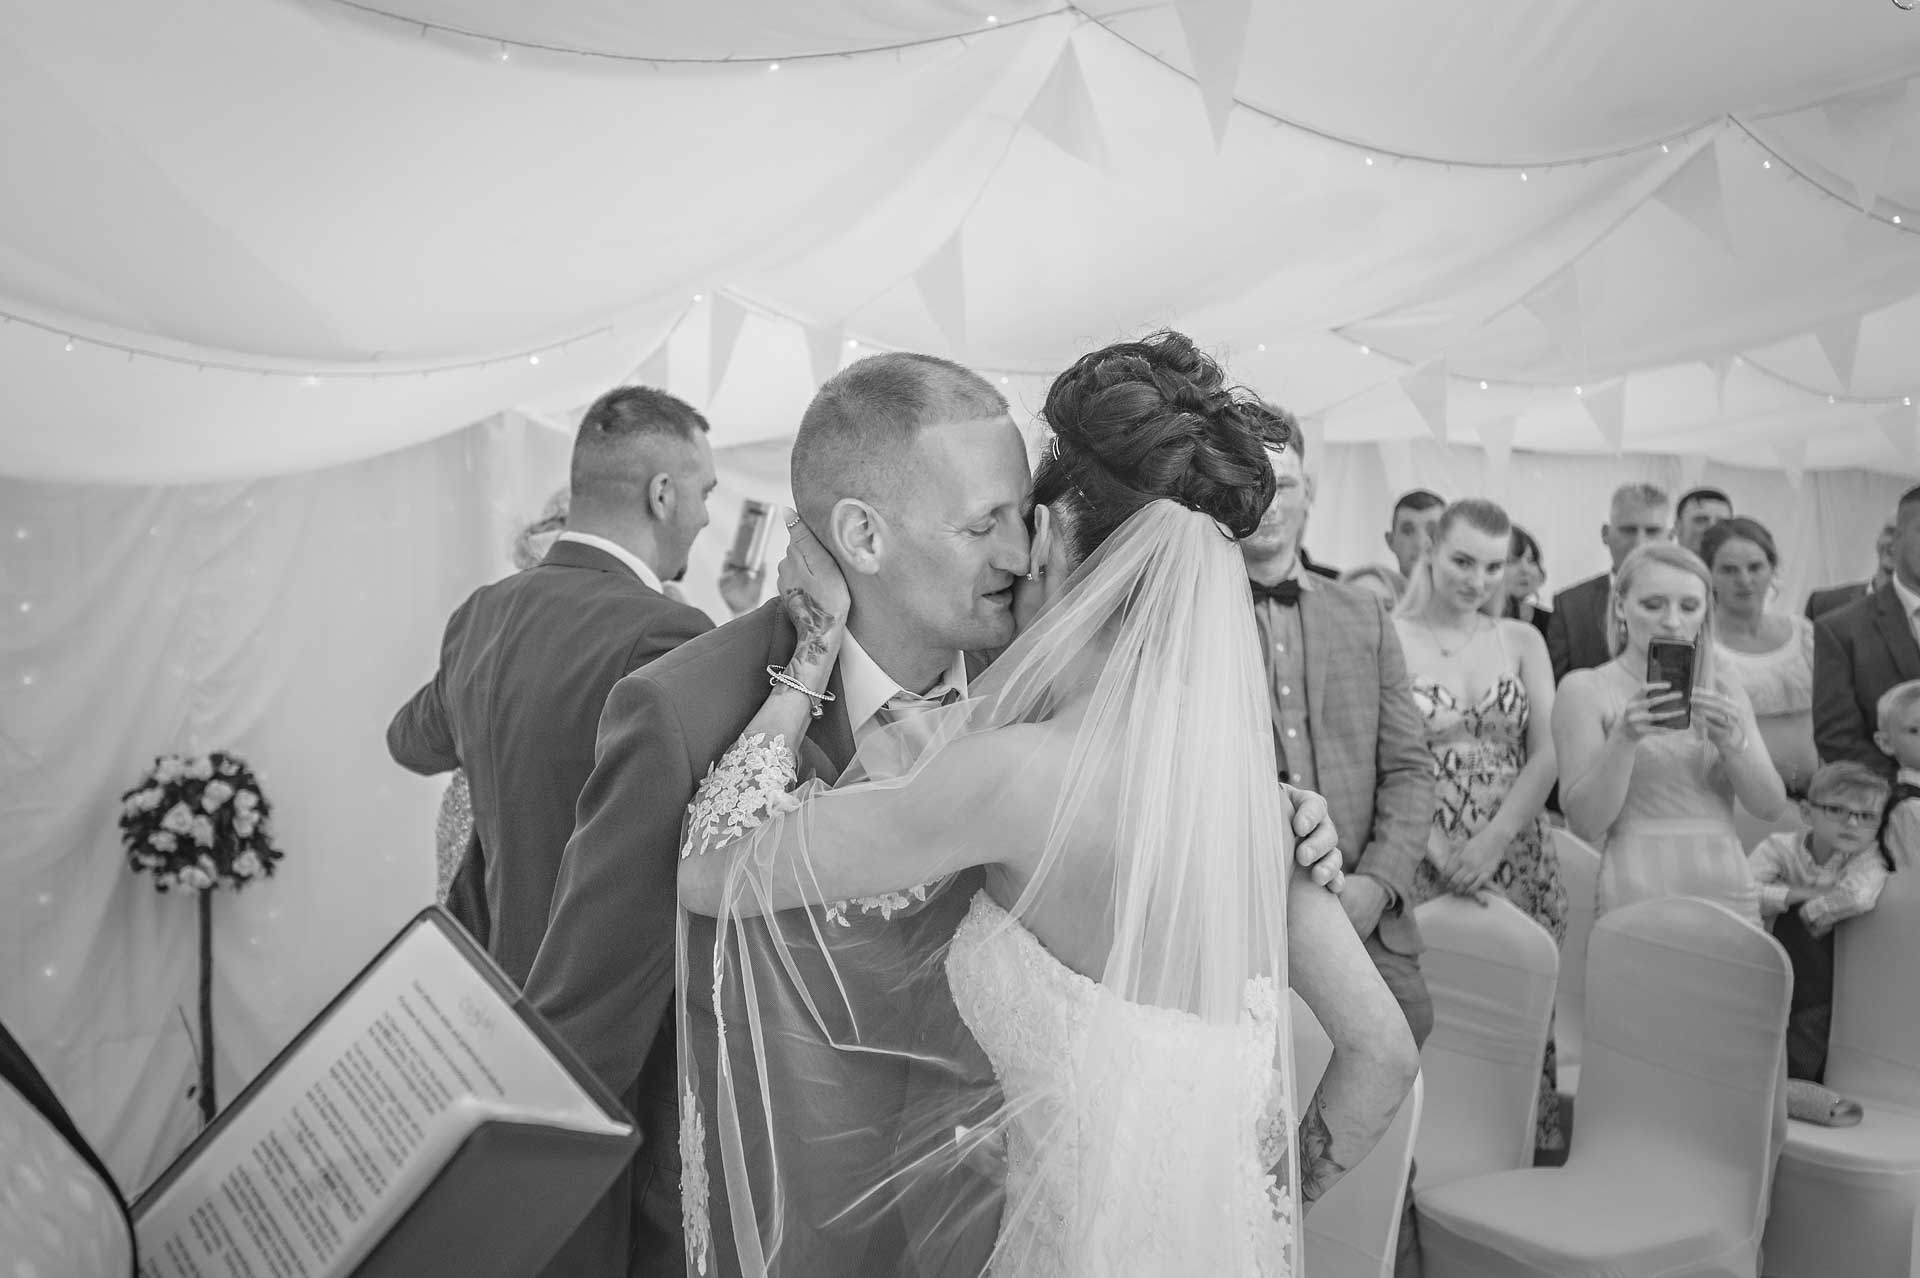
column 1138, row 421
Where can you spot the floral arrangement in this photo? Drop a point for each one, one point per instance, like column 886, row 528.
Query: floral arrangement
column 195, row 822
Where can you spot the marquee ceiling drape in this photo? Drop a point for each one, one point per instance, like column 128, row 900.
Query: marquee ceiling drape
column 284, row 236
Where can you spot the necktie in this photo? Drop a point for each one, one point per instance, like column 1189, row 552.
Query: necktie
column 1285, row 593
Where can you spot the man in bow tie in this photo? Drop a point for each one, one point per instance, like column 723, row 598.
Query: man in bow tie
column 1344, row 723
column 1345, row 726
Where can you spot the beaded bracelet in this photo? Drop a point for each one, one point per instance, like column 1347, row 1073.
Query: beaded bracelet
column 778, row 678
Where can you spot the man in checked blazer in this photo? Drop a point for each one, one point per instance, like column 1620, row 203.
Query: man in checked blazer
column 1345, row 725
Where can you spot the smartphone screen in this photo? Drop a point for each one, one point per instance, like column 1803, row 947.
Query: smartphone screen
column 1670, row 661
column 750, row 537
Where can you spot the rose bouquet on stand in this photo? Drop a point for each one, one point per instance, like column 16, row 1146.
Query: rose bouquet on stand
column 196, row 823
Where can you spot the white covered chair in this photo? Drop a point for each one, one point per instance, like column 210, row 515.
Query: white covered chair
column 1354, row 1230
column 1580, row 873
column 1846, row 1199
column 1685, row 1055
column 1491, row 971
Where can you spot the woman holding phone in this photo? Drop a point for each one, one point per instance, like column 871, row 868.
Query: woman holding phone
column 1653, row 756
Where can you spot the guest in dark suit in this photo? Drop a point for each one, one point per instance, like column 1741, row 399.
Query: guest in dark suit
column 1577, row 636
column 1698, row 510
column 1833, row 598
column 1866, row 647
column 1410, row 526
column 60, row 1211
column 526, row 663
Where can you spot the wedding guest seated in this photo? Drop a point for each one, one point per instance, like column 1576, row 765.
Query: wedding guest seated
column 1899, row 739
column 1525, row 576
column 1811, row 880
column 1656, row 798
column 1410, row 526
column 1865, row 648
column 1822, row 602
column 1577, row 633
column 1769, row 654
column 1484, row 689
column 60, row 1212
column 1379, row 580
column 1698, row 510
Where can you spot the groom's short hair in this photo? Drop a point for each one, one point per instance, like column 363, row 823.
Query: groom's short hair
column 854, row 436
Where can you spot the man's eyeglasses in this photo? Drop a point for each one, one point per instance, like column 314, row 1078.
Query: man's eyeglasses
column 1852, row 816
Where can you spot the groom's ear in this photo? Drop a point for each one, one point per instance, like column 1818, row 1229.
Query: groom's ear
column 856, row 533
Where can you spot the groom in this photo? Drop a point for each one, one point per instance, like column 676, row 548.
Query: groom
column 911, row 471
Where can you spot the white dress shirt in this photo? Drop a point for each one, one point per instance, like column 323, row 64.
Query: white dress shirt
column 625, row 556
column 1909, row 604
column 867, row 687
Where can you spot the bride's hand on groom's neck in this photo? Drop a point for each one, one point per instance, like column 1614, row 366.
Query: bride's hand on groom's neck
column 816, row 597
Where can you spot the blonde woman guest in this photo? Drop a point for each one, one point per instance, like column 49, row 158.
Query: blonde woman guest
column 455, row 825
column 1484, row 686
column 1655, row 798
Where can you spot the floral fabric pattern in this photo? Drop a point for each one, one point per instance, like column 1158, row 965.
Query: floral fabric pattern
column 1478, row 751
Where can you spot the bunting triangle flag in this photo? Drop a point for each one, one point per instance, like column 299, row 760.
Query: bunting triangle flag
column 1864, row 125
column 825, row 342
column 1721, row 365
column 1496, row 438
column 1792, row 454
column 1607, row 405
column 1426, row 386
column 941, row 280
column 1694, row 193
column 1900, row 423
column 1556, row 304
column 727, row 317
column 1063, row 113
column 1693, row 469
column 653, row 369
column 1216, row 41
column 1840, row 339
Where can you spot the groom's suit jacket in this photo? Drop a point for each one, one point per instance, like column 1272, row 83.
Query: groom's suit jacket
column 604, row 977
column 525, row 667
column 1369, row 747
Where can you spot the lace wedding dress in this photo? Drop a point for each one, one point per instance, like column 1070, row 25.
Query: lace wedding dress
column 1034, row 1017
column 914, row 1080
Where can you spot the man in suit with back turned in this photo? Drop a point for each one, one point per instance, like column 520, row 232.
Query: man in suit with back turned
column 1865, row 648
column 527, row 662
column 1577, row 632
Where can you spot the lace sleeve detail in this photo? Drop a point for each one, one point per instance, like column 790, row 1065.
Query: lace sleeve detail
column 747, row 786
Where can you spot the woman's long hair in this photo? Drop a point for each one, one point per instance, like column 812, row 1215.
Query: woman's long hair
column 1477, row 513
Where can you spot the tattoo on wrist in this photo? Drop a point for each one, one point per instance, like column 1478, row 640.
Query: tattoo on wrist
column 1318, row 1167
column 813, row 622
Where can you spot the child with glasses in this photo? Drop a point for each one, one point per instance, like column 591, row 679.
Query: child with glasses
column 1809, row 881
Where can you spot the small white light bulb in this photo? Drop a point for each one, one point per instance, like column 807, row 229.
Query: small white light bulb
column 1369, row 161
column 1664, row 148
column 69, row 343
column 1766, row 164
column 773, row 66
column 1262, row 346
column 1483, row 385
column 533, row 359
column 504, row 55
column 992, row 21
column 311, row 380
column 1578, row 391
column 699, row 296
column 1523, row 175
column 1366, row 350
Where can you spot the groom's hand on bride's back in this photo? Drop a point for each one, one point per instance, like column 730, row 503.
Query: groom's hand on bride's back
column 1317, row 845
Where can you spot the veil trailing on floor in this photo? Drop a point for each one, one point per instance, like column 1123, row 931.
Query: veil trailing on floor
column 1114, row 772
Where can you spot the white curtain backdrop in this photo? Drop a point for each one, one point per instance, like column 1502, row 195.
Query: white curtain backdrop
column 287, row 619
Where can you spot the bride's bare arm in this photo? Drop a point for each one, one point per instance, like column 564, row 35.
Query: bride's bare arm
column 1374, row 1059
column 752, row 847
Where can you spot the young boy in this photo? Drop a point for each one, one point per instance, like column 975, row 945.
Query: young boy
column 1899, row 738
column 1813, row 879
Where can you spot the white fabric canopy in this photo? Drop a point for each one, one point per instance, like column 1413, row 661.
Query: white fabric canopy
column 327, row 230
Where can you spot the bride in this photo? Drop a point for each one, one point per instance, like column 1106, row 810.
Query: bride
column 1109, row 788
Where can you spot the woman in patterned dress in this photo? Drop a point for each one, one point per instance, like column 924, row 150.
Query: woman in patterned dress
column 1484, row 686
